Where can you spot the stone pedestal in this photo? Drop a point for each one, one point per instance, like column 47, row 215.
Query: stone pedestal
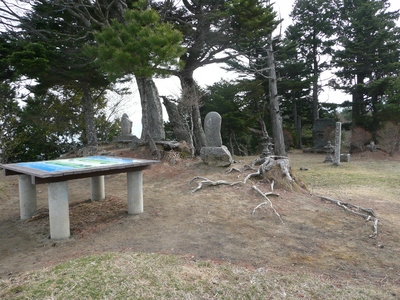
column 97, row 188
column 59, row 210
column 345, row 157
column 216, row 156
column 135, row 192
column 27, row 197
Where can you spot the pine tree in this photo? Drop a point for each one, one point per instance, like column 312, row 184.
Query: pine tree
column 367, row 56
column 313, row 32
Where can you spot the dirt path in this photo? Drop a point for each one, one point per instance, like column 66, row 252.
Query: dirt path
column 214, row 223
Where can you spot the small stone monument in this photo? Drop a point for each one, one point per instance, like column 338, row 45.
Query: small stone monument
column 215, row 153
column 126, row 125
column 372, row 146
column 329, row 150
column 126, row 131
column 267, row 146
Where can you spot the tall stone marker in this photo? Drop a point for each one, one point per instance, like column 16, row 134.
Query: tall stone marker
column 338, row 142
column 212, row 129
column 215, row 153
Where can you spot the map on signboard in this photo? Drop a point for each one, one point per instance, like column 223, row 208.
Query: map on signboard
column 75, row 163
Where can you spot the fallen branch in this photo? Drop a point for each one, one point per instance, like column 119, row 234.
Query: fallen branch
column 264, row 203
column 366, row 213
column 206, row 181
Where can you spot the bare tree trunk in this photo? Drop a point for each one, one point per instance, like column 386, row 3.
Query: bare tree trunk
column 276, row 118
column 231, row 143
column 88, row 115
column 297, row 125
column 191, row 99
column 199, row 136
column 141, row 83
column 152, row 119
column 180, row 128
column 315, row 85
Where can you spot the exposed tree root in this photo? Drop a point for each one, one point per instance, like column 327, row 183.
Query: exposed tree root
column 244, row 168
column 366, row 213
column 269, row 162
column 266, row 164
column 266, row 202
column 206, row 181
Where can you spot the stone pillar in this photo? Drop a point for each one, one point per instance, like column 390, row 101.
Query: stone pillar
column 215, row 153
column 135, row 192
column 212, row 129
column 27, row 197
column 59, row 210
column 97, row 188
column 338, row 142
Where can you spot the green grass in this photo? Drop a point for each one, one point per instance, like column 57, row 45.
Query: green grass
column 370, row 175
column 156, row 276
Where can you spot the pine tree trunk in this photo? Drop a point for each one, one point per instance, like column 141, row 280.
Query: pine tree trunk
column 358, row 104
column 181, row 130
column 152, row 119
column 297, row 125
column 88, row 115
column 315, row 86
column 141, row 83
column 199, row 137
column 192, row 101
column 276, row 118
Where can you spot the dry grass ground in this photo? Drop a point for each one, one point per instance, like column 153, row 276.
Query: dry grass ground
column 208, row 244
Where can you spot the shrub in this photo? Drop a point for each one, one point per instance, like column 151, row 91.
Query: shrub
column 389, row 137
column 359, row 138
column 288, row 138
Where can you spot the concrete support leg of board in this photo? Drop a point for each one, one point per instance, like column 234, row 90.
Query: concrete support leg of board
column 59, row 210
column 97, row 187
column 27, row 197
column 135, row 192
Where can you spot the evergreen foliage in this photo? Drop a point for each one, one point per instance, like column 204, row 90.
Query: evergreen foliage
column 367, row 56
column 73, row 53
column 141, row 45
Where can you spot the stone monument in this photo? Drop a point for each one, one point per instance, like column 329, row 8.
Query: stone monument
column 126, row 125
column 338, row 143
column 214, row 153
column 126, row 131
column 329, row 149
column 322, row 132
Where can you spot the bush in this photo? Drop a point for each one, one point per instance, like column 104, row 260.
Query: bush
column 359, row 138
column 389, row 137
